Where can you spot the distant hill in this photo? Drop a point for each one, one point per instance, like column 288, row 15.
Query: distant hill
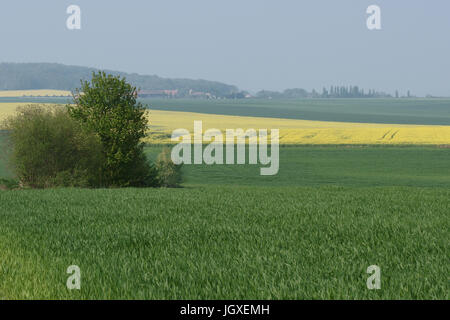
column 26, row 76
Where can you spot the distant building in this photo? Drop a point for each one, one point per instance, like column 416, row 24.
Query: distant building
column 199, row 94
column 158, row 93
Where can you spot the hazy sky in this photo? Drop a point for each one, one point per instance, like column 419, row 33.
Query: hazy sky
column 254, row 44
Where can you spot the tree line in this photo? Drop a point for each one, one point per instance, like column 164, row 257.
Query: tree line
column 30, row 76
column 331, row 92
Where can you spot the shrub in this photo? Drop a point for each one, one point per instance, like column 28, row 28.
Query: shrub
column 8, row 184
column 107, row 105
column 168, row 173
column 50, row 149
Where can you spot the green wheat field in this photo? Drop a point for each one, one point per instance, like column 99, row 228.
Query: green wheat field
column 308, row 233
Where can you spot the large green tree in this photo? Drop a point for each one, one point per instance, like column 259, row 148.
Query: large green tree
column 107, row 105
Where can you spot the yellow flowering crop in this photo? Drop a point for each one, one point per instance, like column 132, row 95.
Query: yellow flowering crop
column 33, row 93
column 162, row 123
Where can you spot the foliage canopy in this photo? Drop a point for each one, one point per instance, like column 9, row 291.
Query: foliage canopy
column 107, row 105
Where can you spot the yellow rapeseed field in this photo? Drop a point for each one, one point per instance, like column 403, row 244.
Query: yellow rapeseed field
column 162, row 123
column 9, row 109
column 33, row 93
